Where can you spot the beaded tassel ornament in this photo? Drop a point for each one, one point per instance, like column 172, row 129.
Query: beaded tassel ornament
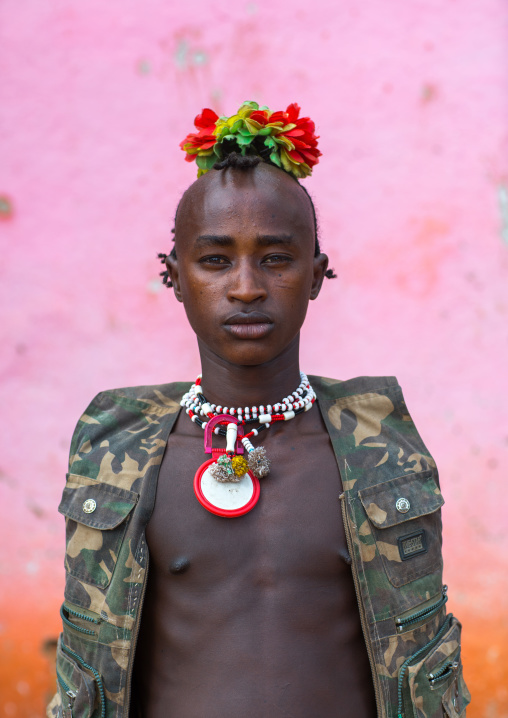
column 230, row 467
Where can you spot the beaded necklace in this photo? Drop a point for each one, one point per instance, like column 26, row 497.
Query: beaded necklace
column 229, row 466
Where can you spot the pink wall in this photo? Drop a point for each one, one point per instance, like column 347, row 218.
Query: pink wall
column 411, row 103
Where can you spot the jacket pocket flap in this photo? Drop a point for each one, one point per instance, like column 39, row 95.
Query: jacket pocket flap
column 99, row 506
column 401, row 499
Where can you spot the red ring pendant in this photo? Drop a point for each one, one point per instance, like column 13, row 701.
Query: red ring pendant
column 228, row 491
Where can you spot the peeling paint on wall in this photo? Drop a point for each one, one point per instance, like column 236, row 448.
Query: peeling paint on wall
column 186, row 56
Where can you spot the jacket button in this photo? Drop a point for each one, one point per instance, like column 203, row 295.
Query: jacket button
column 89, row 506
column 403, row 505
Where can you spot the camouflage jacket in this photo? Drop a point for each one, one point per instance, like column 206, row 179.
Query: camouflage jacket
column 391, row 510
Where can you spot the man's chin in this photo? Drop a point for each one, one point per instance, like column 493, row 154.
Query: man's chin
column 246, row 353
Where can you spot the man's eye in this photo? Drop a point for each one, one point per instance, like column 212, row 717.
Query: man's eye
column 277, row 259
column 214, row 260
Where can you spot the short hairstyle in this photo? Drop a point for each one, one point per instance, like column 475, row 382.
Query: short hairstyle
column 244, row 163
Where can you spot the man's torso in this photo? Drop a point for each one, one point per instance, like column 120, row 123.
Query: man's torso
column 257, row 615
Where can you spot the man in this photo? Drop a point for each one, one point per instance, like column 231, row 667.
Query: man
column 318, row 592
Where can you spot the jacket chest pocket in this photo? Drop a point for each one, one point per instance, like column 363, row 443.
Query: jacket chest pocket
column 96, row 520
column 405, row 521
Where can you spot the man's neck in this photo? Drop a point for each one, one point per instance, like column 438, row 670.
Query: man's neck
column 232, row 385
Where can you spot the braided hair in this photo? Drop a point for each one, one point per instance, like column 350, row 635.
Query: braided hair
column 243, row 162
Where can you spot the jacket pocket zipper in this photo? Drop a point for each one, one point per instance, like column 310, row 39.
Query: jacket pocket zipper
column 70, row 694
column 86, row 631
column 96, row 675
column 403, row 623
column 444, row 672
column 424, row 649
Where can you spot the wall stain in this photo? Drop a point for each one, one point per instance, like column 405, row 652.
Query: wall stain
column 503, row 208
column 6, row 208
column 143, row 67
column 429, row 93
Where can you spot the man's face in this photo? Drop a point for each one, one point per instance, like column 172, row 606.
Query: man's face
column 246, row 268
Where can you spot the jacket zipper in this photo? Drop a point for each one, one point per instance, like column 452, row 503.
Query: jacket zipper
column 361, row 608
column 403, row 668
column 134, row 640
column 135, row 633
column 403, row 623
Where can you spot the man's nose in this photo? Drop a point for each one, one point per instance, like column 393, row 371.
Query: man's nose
column 247, row 284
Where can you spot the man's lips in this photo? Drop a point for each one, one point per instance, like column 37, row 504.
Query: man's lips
column 249, row 325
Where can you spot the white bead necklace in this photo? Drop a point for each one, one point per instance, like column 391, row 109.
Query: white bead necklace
column 232, row 467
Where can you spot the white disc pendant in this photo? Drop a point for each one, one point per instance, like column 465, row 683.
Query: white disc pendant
column 227, row 499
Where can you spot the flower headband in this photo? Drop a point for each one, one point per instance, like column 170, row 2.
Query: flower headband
column 282, row 138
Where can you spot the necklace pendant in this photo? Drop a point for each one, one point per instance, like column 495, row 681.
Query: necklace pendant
column 225, row 498
column 228, row 499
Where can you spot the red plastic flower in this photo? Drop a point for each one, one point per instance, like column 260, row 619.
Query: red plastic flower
column 290, row 140
column 301, row 135
column 201, row 142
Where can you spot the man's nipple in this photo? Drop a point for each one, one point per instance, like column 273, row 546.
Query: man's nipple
column 344, row 556
column 179, row 565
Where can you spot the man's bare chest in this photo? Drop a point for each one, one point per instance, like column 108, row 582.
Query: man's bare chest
column 296, row 527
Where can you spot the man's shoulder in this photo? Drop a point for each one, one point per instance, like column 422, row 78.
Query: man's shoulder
column 125, row 416
column 331, row 389
column 144, row 399
column 157, row 396
column 128, row 409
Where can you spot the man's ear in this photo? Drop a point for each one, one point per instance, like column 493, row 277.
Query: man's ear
column 172, row 266
column 320, row 267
